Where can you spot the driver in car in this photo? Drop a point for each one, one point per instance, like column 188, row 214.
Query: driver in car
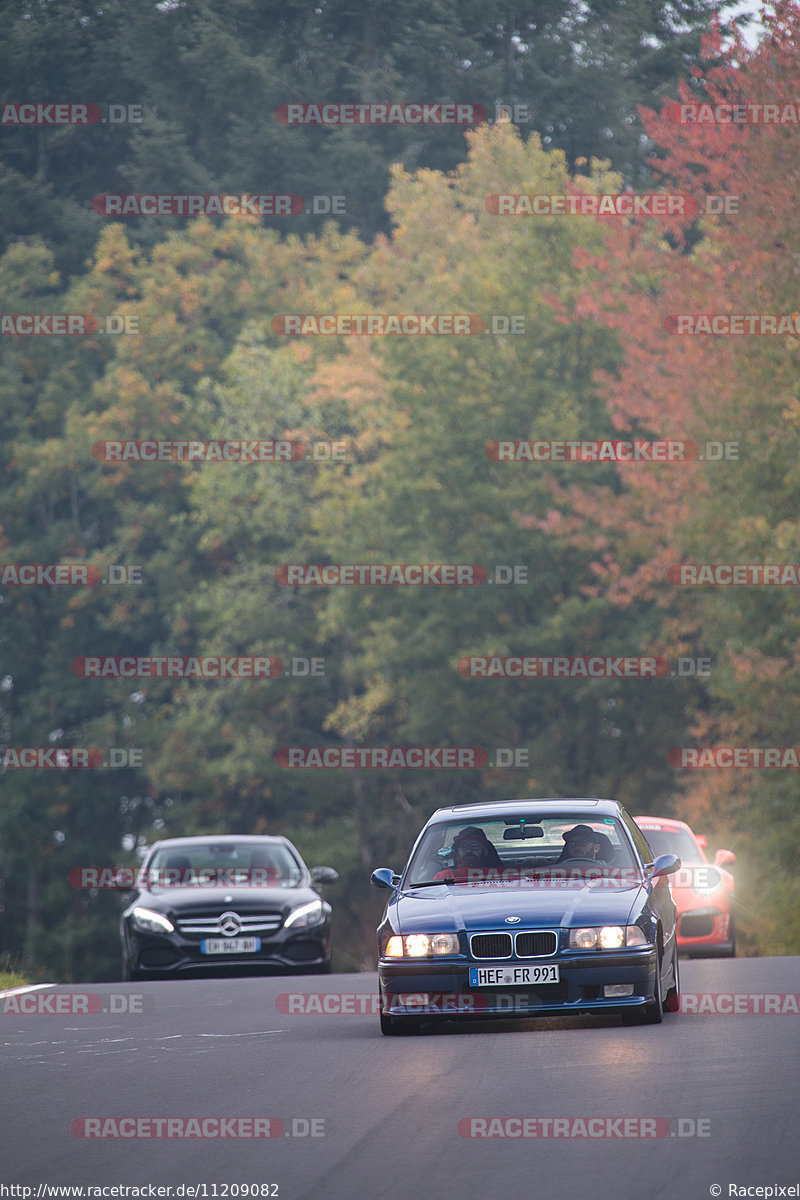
column 581, row 842
column 473, row 854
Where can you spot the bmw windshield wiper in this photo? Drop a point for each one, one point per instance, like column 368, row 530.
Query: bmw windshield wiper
column 432, row 882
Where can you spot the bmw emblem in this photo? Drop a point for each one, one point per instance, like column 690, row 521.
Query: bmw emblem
column 513, row 920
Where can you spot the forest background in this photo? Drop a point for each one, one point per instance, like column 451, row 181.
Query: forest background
column 198, row 544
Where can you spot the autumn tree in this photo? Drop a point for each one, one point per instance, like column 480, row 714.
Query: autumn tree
column 739, row 258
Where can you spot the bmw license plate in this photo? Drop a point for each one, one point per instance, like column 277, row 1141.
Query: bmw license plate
column 230, row 945
column 513, row 976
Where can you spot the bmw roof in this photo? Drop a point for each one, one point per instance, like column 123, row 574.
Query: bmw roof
column 547, row 806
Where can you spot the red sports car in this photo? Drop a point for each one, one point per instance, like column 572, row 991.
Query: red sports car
column 703, row 892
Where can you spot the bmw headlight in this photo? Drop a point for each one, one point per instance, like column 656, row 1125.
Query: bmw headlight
column 421, row 945
column 606, row 937
column 150, row 921
column 306, row 915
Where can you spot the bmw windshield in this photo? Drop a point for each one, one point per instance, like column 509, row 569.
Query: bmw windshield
column 519, row 847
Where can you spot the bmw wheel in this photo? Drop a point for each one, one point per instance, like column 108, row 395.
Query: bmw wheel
column 654, row 1011
column 651, row 1013
column 672, row 1000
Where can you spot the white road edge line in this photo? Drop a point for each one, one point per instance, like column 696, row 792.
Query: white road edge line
column 33, row 987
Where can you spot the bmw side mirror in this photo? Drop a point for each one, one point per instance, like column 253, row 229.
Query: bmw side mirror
column 386, row 878
column 665, row 864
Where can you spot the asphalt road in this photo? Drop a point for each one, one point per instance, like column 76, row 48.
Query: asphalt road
column 362, row 1114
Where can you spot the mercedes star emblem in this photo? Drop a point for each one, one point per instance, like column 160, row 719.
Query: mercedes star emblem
column 230, row 923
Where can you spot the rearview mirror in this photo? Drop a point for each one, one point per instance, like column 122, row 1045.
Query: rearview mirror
column 518, row 832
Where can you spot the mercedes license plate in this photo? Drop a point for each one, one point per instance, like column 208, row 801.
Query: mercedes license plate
column 245, row 945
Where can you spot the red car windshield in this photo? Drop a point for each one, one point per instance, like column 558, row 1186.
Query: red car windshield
column 674, row 841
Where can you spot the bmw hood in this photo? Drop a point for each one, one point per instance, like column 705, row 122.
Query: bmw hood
column 548, row 904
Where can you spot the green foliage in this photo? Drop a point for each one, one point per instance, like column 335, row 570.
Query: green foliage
column 209, row 75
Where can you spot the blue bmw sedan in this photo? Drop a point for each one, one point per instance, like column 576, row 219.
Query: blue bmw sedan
column 525, row 908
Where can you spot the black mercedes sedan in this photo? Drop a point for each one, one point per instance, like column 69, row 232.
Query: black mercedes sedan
column 522, row 908
column 226, row 905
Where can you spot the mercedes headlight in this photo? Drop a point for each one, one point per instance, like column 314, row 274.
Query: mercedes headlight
column 150, row 921
column 307, row 914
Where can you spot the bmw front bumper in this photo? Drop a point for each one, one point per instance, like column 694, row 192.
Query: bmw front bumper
column 583, row 977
